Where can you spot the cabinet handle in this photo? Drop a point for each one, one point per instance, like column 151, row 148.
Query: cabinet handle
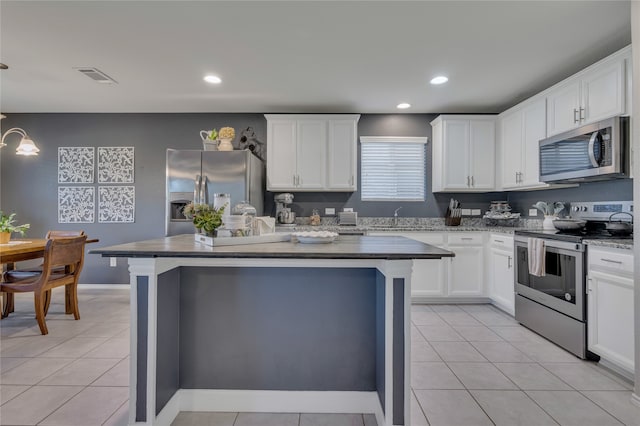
column 299, row 180
column 352, row 180
column 575, row 116
column 466, row 238
column 499, row 241
column 468, row 181
column 508, row 262
column 582, row 116
column 294, row 179
column 611, row 261
column 472, row 183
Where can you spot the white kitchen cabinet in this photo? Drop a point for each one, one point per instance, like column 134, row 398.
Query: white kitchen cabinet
column 501, row 272
column 594, row 94
column 342, row 155
column 460, row 277
column 520, row 131
column 281, row 156
column 311, row 152
column 466, row 269
column 610, row 302
column 463, row 153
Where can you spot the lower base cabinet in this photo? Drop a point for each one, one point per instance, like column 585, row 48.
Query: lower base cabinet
column 466, row 271
column 610, row 304
column 501, row 272
column 459, row 277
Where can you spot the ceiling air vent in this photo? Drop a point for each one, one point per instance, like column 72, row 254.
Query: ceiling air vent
column 96, row 75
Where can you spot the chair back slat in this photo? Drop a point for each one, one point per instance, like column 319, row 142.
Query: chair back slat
column 63, row 234
column 65, row 252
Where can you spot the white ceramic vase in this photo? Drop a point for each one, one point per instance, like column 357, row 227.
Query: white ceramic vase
column 547, row 224
column 225, row 145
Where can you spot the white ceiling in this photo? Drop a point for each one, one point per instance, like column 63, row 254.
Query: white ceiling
column 304, row 56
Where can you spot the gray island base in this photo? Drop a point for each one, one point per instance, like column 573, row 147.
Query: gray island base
column 278, row 327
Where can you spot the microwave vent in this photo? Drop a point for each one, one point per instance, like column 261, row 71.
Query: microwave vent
column 96, row 75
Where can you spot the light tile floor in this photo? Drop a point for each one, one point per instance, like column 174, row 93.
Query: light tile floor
column 471, row 365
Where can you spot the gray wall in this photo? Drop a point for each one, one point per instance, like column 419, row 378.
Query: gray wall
column 28, row 185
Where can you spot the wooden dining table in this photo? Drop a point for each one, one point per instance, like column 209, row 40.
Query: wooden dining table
column 19, row 250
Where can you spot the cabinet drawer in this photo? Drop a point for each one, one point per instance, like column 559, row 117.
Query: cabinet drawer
column 465, row 239
column 612, row 260
column 501, row 241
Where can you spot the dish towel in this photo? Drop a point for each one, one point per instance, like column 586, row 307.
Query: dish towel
column 265, row 225
column 536, row 262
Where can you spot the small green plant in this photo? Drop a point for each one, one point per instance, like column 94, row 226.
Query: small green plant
column 204, row 217
column 6, row 224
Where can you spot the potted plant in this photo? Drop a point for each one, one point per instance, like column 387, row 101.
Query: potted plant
column 205, row 218
column 7, row 227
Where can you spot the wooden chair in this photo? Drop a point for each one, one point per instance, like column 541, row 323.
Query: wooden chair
column 67, row 253
column 23, row 273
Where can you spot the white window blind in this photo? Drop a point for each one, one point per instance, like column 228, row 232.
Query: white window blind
column 393, row 168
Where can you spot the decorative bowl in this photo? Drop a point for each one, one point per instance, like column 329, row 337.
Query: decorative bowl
column 315, row 237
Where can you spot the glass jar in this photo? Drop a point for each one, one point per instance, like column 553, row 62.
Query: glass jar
column 314, row 219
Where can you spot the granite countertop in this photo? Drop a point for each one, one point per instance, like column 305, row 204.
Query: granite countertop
column 407, row 224
column 625, row 244
column 344, row 247
column 410, row 228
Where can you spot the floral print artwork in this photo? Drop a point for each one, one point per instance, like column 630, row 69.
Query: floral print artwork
column 76, row 204
column 116, row 204
column 76, row 164
column 115, row 164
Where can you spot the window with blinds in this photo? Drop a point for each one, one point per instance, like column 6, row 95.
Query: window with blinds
column 393, row 168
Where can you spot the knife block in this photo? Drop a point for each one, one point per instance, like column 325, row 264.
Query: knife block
column 451, row 221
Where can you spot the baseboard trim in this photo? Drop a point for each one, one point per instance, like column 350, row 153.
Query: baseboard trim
column 418, row 300
column 104, row 286
column 256, row 401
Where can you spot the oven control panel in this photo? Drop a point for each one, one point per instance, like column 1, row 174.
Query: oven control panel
column 602, row 210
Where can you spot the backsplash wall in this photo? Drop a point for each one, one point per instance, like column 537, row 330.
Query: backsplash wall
column 28, row 185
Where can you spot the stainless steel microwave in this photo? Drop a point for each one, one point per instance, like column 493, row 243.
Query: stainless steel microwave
column 597, row 151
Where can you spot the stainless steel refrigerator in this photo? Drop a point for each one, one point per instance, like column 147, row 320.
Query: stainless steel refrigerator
column 196, row 175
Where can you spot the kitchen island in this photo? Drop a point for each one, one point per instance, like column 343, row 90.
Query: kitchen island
column 278, row 327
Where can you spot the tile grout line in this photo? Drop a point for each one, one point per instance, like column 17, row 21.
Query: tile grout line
column 116, row 410
column 413, row 392
column 602, row 407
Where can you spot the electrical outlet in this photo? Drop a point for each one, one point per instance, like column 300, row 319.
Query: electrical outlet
column 329, row 211
column 466, row 212
column 533, row 212
column 475, row 212
column 113, row 261
column 348, row 209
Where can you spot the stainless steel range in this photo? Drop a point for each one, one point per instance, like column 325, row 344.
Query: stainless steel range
column 555, row 303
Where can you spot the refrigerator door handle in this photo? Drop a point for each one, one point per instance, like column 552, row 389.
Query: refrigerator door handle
column 196, row 189
column 204, row 190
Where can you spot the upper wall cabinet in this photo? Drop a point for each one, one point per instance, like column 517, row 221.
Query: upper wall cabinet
column 593, row 94
column 463, row 153
column 311, row 152
column 520, row 130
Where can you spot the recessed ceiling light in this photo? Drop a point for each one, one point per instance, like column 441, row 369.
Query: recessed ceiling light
column 213, row 79
column 439, row 79
column 403, row 105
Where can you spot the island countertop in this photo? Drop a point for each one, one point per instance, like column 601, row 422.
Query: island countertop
column 344, row 247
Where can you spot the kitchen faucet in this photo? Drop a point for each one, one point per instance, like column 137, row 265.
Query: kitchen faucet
column 395, row 216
